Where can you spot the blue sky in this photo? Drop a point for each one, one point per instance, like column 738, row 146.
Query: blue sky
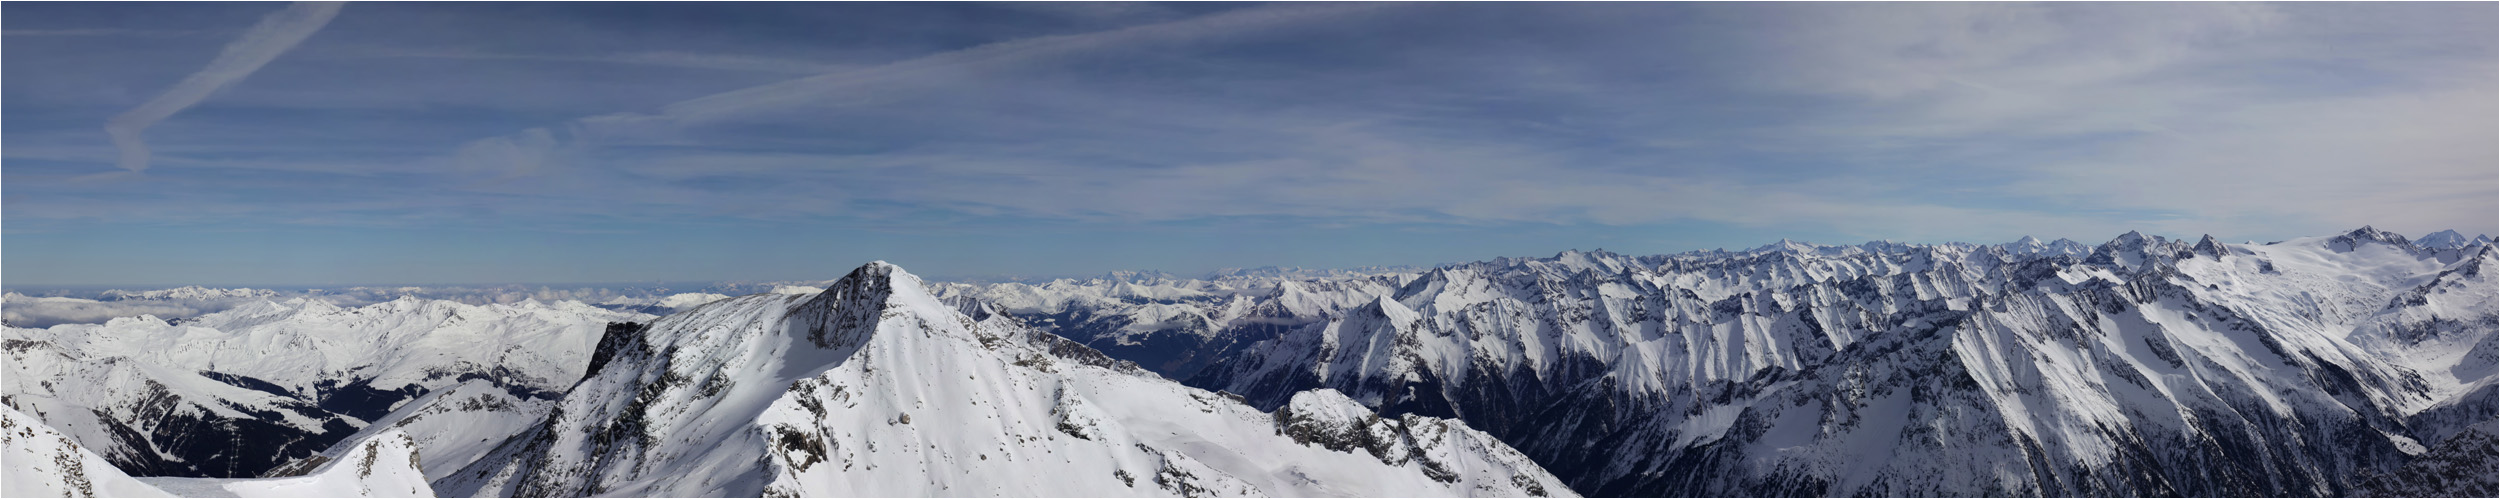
column 606, row 142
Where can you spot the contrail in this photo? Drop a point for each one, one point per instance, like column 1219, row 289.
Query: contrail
column 785, row 93
column 276, row 33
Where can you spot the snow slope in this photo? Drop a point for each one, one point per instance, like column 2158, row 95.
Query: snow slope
column 1175, row 326
column 235, row 393
column 382, row 466
column 455, row 426
column 877, row 387
column 2141, row 366
column 41, row 462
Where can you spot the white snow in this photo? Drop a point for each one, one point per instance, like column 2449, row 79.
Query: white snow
column 382, row 466
column 41, row 462
column 876, row 387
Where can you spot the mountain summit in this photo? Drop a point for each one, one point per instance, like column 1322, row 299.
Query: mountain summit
column 2141, row 366
column 876, row 387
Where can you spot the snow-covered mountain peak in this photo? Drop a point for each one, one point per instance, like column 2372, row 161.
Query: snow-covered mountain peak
column 1751, row 364
column 1886, row 246
column 876, row 387
column 2366, row 235
column 2032, row 246
column 2131, row 239
column 1139, row 276
column 853, row 307
column 186, row 293
column 1600, row 261
column 286, row 378
column 2135, row 251
column 313, row 305
column 2445, row 239
column 2211, row 247
column 1785, row 245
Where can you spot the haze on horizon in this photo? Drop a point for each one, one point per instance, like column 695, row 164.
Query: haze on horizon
column 612, row 142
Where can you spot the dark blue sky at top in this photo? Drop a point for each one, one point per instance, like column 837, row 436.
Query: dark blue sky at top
column 602, row 142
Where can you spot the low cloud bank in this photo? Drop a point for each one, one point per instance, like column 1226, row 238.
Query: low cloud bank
column 46, row 311
column 49, row 308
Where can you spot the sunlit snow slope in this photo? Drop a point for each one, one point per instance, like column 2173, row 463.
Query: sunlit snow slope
column 382, row 466
column 40, row 462
column 875, row 387
column 238, row 393
column 2142, row 366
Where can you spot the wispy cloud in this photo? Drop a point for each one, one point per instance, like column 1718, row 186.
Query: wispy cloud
column 1935, row 82
column 97, row 32
column 675, row 59
column 2223, row 117
column 1672, row 122
column 839, row 85
column 262, row 43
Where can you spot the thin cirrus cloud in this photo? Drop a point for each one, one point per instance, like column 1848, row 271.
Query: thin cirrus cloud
column 96, row 32
column 262, row 43
column 688, row 60
column 2115, row 97
column 1753, row 122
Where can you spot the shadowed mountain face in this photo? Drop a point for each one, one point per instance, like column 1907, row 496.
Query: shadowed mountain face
column 875, row 387
column 2347, row 365
column 2142, row 366
column 242, row 392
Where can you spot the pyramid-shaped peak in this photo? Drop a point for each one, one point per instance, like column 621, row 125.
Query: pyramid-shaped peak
column 2132, row 240
column 850, row 308
column 2446, row 239
column 2209, row 246
column 2372, row 233
column 2367, row 234
column 1784, row 244
column 876, row 278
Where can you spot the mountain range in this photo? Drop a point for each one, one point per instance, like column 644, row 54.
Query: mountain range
column 2356, row 364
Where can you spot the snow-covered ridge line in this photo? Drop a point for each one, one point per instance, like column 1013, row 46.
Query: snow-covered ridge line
column 29, row 308
column 876, row 387
column 1175, row 325
column 45, row 308
column 1684, row 359
column 237, row 393
column 45, row 463
column 1775, row 371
